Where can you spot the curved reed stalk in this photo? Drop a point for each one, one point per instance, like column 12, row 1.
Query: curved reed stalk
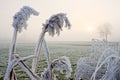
column 101, row 65
column 19, row 21
column 106, row 53
column 112, row 63
column 52, row 26
column 47, row 55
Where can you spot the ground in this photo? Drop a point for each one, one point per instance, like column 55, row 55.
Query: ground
column 74, row 50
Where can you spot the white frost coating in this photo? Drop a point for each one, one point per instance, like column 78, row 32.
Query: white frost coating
column 67, row 67
column 83, row 70
column 114, row 74
column 55, row 23
column 112, row 63
column 21, row 17
column 10, row 67
column 106, row 54
column 47, row 55
column 45, row 75
column 60, row 64
column 102, row 64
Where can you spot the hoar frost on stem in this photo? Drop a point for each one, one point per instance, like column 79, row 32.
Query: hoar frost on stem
column 19, row 21
column 53, row 26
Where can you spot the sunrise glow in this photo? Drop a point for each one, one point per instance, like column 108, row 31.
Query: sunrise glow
column 90, row 28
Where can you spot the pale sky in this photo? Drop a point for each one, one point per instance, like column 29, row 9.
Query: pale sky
column 81, row 13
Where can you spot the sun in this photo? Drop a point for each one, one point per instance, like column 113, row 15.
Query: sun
column 90, row 28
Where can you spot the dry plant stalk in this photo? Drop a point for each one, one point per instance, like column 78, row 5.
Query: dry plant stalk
column 26, row 69
column 19, row 21
column 55, row 23
column 52, row 26
column 20, row 61
column 47, row 55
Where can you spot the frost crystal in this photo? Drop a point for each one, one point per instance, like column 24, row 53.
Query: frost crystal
column 21, row 17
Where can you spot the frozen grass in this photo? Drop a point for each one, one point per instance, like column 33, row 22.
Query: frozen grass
column 74, row 50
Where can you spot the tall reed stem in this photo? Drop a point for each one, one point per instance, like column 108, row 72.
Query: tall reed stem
column 47, row 55
column 11, row 55
column 37, row 49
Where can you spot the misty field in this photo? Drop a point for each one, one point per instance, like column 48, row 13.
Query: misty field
column 74, row 50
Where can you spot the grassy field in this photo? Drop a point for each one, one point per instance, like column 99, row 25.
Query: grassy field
column 74, row 50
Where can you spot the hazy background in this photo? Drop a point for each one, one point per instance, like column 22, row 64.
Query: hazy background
column 82, row 13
